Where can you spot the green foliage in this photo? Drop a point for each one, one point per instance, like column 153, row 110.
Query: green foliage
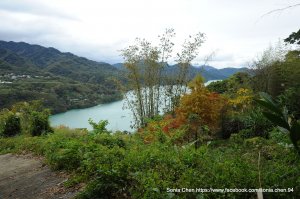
column 294, row 38
column 57, row 93
column 239, row 80
column 278, row 72
column 12, row 125
column 40, row 123
column 109, row 141
column 100, row 127
column 252, row 123
column 27, row 117
column 147, row 170
column 62, row 81
column 280, row 118
column 280, row 137
column 256, row 123
column 290, row 99
column 218, row 86
column 232, row 84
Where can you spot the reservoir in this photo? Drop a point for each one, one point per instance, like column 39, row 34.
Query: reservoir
column 118, row 118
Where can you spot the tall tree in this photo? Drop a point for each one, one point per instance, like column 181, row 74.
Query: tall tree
column 145, row 64
column 262, row 67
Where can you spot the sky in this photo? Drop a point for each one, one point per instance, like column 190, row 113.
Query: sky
column 237, row 31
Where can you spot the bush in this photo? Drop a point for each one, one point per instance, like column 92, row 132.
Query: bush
column 109, row 141
column 231, row 125
column 280, row 137
column 12, row 125
column 40, row 123
column 290, row 99
column 100, row 127
column 257, row 123
column 252, row 124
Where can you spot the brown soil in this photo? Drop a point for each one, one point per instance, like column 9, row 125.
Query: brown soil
column 26, row 177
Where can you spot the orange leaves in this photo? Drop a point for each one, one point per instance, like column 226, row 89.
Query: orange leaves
column 168, row 125
column 201, row 107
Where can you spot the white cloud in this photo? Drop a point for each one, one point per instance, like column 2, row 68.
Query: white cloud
column 98, row 29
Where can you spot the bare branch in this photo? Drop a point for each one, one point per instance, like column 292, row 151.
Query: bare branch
column 280, row 9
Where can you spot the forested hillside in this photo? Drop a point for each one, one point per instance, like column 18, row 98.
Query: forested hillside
column 61, row 80
column 20, row 57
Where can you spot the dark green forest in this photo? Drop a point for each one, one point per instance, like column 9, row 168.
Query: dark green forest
column 62, row 81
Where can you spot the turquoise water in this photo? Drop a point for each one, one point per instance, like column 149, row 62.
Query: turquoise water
column 118, row 118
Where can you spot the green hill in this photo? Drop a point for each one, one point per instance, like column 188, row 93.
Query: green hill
column 62, row 80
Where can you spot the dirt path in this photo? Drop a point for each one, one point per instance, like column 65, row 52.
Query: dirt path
column 25, row 177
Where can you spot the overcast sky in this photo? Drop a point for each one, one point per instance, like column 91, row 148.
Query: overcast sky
column 98, row 29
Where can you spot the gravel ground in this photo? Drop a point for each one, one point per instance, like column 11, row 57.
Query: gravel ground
column 26, row 177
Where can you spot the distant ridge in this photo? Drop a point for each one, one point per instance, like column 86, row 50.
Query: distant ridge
column 208, row 72
column 20, row 57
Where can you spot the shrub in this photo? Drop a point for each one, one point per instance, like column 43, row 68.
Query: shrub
column 252, row 123
column 290, row 99
column 230, row 125
column 218, row 86
column 40, row 123
column 279, row 116
column 109, row 141
column 12, row 125
column 242, row 99
column 100, row 127
column 257, row 123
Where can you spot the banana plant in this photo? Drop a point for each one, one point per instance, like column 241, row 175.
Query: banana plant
column 280, row 118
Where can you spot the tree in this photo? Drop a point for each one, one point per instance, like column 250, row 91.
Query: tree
column 34, row 117
column 145, row 64
column 263, row 66
column 201, row 108
column 294, row 38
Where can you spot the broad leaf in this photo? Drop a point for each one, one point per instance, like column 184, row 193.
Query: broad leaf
column 283, row 130
column 277, row 120
column 269, row 106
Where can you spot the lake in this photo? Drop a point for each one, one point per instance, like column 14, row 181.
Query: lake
column 118, row 118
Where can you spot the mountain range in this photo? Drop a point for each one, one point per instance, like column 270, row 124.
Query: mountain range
column 208, row 72
column 21, row 57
